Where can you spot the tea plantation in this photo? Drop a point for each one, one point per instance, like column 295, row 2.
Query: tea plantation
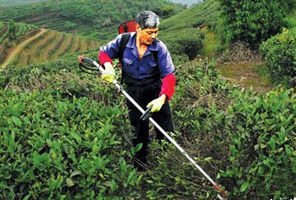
column 21, row 44
column 97, row 19
column 65, row 134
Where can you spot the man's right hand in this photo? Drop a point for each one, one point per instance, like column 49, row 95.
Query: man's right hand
column 108, row 74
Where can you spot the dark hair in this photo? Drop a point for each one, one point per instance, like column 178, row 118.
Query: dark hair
column 147, row 19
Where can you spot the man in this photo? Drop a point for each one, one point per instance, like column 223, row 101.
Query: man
column 148, row 74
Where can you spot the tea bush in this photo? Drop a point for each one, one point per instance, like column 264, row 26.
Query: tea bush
column 187, row 42
column 251, row 21
column 62, row 76
column 198, row 109
column 204, row 14
column 243, row 140
column 287, row 5
column 261, row 133
column 50, row 122
column 58, row 138
column 279, row 53
column 54, row 148
column 290, row 21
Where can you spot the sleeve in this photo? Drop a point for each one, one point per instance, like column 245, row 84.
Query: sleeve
column 167, row 69
column 168, row 86
column 103, row 58
column 110, row 51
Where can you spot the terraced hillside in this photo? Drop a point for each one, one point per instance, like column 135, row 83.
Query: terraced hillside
column 11, row 34
column 40, row 45
column 96, row 18
column 4, row 3
column 205, row 14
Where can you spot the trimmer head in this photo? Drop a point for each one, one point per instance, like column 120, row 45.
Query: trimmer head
column 222, row 194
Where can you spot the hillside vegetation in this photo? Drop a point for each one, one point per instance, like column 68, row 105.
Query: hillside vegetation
column 5, row 3
column 94, row 18
column 27, row 46
column 290, row 20
column 183, row 32
column 65, row 134
column 205, row 14
column 11, row 33
column 187, row 2
column 59, row 136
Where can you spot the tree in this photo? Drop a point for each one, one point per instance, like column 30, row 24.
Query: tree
column 251, row 21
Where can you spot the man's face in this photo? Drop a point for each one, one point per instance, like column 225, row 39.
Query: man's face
column 147, row 35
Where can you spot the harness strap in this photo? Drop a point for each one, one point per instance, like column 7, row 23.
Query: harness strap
column 125, row 28
column 124, row 40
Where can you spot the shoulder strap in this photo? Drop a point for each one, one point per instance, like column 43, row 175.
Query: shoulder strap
column 155, row 52
column 123, row 42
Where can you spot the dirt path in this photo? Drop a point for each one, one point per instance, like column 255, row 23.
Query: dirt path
column 246, row 74
column 20, row 47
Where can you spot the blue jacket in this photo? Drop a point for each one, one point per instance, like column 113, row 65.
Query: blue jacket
column 146, row 66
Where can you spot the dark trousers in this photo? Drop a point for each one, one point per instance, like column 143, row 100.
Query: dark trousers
column 143, row 94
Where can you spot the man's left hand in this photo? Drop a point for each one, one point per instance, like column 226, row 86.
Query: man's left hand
column 156, row 104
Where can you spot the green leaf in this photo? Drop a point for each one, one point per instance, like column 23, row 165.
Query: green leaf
column 70, row 182
column 244, row 187
column 267, row 162
column 114, row 186
column 76, row 137
column 138, row 147
column 208, row 159
column 16, row 121
column 107, row 184
column 282, row 135
column 149, row 181
column 288, row 150
column 75, row 173
column 260, row 170
column 27, row 197
column 272, row 142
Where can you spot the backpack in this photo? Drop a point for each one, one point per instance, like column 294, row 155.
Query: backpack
column 125, row 29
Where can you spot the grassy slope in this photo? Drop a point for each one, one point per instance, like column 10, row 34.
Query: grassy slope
column 254, row 73
column 205, row 13
column 10, row 38
column 173, row 178
column 94, row 18
column 37, row 46
column 4, row 3
column 291, row 19
column 204, row 16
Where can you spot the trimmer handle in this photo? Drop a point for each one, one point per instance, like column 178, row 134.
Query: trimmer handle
column 146, row 114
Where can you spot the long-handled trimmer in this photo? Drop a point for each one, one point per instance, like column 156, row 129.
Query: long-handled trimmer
column 94, row 66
